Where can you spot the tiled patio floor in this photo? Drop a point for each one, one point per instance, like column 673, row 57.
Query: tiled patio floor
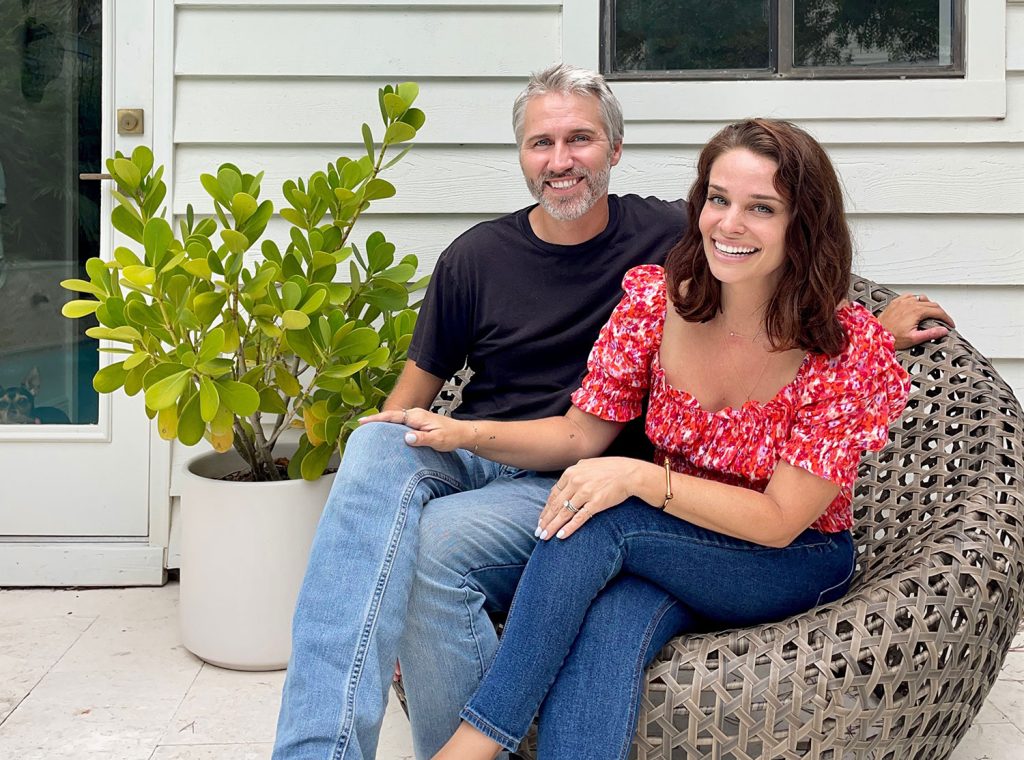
column 101, row 675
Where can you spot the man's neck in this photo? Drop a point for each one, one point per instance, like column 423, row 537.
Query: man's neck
column 572, row 232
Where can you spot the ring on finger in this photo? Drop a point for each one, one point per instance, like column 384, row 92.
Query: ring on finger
column 918, row 297
column 405, row 416
column 569, row 505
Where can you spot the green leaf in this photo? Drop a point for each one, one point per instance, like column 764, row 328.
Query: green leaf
column 208, row 305
column 142, row 276
column 209, row 399
column 77, row 309
column 286, row 381
column 395, row 105
column 415, row 118
column 126, row 224
column 398, row 132
column 294, row 320
column 165, row 392
column 142, row 157
column 316, row 299
column 397, row 158
column 243, row 206
column 110, row 378
column 368, row 141
column 294, row 217
column 167, row 422
column 351, row 394
column 126, row 257
column 135, row 360
column 291, row 294
column 408, row 91
column 315, row 462
column 379, row 358
column 213, row 345
column 198, row 268
column 359, row 342
column 271, row 403
column 230, row 180
column 127, row 173
column 241, row 399
column 341, row 371
column 124, row 334
column 235, row 241
column 377, row 188
column 157, row 237
column 191, row 425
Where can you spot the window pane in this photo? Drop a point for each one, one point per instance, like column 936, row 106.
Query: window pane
column 664, row 35
column 866, row 33
column 50, row 86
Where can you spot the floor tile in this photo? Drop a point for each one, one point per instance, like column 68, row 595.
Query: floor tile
column 1008, row 697
column 249, row 751
column 227, row 706
column 989, row 741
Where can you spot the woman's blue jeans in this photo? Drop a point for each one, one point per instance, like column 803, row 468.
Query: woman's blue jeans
column 710, row 581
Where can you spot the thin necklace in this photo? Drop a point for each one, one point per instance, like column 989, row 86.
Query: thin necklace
column 735, row 369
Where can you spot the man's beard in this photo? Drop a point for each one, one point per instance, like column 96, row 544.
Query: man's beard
column 570, row 209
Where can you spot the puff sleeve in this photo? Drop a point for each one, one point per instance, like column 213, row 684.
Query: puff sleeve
column 618, row 370
column 846, row 409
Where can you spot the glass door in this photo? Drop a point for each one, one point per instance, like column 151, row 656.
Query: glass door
column 51, row 77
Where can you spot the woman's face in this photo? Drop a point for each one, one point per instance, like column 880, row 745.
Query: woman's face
column 744, row 220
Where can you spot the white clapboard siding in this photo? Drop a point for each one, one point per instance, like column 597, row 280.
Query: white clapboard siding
column 878, row 179
column 470, row 111
column 1015, row 36
column 366, row 41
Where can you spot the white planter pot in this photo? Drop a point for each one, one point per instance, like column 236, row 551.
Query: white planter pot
column 244, row 548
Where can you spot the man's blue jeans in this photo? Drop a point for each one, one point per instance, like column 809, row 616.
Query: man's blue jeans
column 549, row 636
column 413, row 550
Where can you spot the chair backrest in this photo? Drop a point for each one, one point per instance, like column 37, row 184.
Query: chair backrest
column 955, row 457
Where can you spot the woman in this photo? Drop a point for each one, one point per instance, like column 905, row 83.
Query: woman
column 764, row 386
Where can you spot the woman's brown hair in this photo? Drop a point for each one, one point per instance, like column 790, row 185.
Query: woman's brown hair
column 815, row 275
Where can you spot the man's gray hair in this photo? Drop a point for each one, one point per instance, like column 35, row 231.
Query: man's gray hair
column 565, row 79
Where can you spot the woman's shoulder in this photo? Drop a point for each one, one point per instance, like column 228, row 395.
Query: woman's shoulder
column 646, row 281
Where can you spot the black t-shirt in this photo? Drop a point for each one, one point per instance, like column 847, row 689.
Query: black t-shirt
column 524, row 314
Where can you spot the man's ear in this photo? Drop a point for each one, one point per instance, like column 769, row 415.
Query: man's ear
column 32, row 381
column 616, row 153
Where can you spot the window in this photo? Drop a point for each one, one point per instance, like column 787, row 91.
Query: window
column 782, row 39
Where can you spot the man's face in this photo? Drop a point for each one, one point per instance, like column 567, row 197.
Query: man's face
column 566, row 156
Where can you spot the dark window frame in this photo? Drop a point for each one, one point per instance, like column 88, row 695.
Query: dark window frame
column 781, row 45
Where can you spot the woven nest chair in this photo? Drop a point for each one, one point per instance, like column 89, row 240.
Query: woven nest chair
column 898, row 668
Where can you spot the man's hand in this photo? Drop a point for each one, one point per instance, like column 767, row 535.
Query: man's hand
column 428, row 429
column 904, row 315
column 589, row 486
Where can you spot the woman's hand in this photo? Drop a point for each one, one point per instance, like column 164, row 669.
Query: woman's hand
column 589, row 486
column 904, row 315
column 428, row 429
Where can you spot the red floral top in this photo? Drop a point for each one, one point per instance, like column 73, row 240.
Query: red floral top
column 832, row 411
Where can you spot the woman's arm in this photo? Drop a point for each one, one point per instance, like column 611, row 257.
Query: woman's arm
column 551, row 443
column 794, row 499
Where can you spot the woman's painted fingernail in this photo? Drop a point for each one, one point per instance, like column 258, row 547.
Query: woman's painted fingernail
column 410, row 438
column 560, row 534
column 543, row 534
column 536, row 532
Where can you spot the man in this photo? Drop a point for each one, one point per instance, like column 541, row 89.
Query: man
column 416, row 548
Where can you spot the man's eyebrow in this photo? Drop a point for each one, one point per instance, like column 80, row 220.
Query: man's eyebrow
column 573, row 131
column 759, row 197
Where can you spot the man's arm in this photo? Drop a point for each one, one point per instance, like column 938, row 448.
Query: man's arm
column 904, row 315
column 415, row 388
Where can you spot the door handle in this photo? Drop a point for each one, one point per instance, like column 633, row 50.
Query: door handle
column 94, row 176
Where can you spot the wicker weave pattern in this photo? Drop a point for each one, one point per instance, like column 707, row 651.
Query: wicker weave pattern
column 899, row 667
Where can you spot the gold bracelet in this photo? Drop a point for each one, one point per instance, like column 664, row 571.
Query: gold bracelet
column 668, row 485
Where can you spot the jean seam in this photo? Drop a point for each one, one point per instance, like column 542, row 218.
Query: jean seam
column 849, row 575
column 345, row 730
column 646, row 533
column 488, row 729
column 469, row 612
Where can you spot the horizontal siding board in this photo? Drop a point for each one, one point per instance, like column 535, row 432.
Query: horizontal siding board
column 470, row 111
column 985, row 179
column 366, row 41
column 1012, row 371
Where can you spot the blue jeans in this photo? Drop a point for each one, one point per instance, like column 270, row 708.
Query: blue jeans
column 719, row 581
column 413, row 550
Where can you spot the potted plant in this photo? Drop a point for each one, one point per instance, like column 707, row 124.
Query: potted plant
column 238, row 349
